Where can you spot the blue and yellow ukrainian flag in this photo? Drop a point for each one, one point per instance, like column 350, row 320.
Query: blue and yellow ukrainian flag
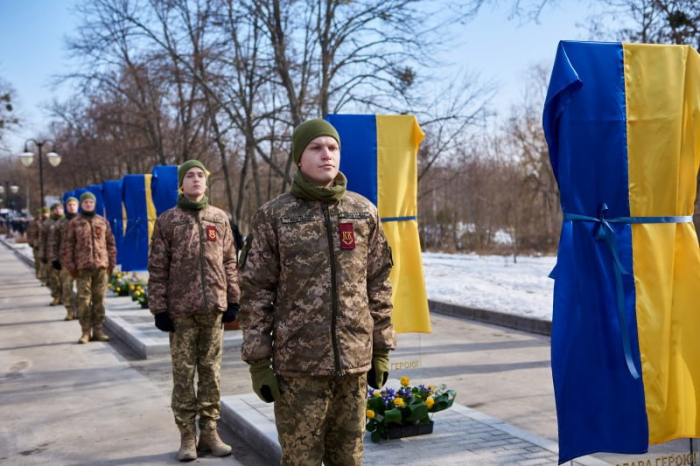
column 623, row 126
column 164, row 187
column 112, row 193
column 140, row 220
column 378, row 156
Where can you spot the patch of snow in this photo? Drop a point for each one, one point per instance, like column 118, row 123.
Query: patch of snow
column 492, row 282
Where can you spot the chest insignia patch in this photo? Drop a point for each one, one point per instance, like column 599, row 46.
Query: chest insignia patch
column 211, row 233
column 347, row 236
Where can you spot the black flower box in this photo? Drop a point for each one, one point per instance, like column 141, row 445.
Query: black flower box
column 397, row 431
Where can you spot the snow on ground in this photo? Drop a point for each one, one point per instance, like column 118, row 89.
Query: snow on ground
column 491, row 282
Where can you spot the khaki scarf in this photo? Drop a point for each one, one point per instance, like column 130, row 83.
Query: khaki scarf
column 303, row 189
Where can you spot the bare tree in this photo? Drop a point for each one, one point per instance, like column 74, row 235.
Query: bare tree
column 9, row 120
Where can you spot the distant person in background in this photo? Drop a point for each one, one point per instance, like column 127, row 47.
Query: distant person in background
column 237, row 237
column 56, row 237
column 192, row 290
column 43, row 270
column 52, row 273
column 89, row 253
column 33, row 233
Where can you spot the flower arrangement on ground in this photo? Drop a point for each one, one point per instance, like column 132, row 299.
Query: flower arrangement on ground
column 118, row 283
column 407, row 406
column 139, row 293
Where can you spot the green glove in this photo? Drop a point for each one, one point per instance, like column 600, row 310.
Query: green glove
column 265, row 381
column 379, row 372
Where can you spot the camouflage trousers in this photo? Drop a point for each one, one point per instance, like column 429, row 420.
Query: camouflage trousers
column 67, row 294
column 92, row 285
column 54, row 281
column 196, row 346
column 322, row 419
column 37, row 263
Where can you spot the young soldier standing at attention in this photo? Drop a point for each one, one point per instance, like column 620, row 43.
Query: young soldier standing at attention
column 56, row 237
column 316, row 306
column 89, row 254
column 192, row 289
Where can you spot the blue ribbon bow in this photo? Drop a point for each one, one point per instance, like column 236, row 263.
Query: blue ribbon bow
column 604, row 232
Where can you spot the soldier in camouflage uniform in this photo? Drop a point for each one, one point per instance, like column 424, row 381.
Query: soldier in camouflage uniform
column 316, row 306
column 43, row 270
column 89, row 254
column 192, row 290
column 33, row 231
column 53, row 277
column 56, row 237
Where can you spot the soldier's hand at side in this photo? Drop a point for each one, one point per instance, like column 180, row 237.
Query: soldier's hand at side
column 56, row 265
column 265, row 383
column 379, row 372
column 164, row 323
column 74, row 273
column 230, row 313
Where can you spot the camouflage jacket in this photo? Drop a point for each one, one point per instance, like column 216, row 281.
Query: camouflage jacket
column 56, row 237
column 44, row 234
column 88, row 244
column 33, row 231
column 316, row 295
column 192, row 262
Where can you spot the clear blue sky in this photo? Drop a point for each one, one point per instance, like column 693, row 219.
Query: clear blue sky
column 32, row 51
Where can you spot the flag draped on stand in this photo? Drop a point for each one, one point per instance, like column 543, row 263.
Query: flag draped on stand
column 164, row 187
column 140, row 218
column 623, row 126
column 112, row 193
column 378, row 156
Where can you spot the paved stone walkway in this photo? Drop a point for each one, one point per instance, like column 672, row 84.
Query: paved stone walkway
column 461, row 436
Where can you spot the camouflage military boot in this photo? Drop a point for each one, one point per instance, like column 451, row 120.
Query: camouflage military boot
column 85, row 337
column 209, row 440
column 188, row 448
column 55, row 302
column 97, row 334
column 69, row 315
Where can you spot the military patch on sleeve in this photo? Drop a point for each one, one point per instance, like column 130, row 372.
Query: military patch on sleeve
column 98, row 229
column 211, row 233
column 347, row 236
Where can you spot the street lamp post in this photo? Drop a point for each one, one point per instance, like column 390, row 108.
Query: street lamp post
column 7, row 190
column 27, row 158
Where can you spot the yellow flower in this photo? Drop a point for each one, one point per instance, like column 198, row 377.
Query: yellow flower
column 399, row 402
column 405, row 381
column 132, row 287
column 429, row 402
column 378, row 394
column 118, row 289
column 137, row 293
column 431, row 388
column 370, row 414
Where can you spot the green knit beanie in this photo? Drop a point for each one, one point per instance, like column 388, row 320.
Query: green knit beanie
column 56, row 204
column 72, row 199
column 307, row 132
column 185, row 167
column 87, row 195
column 44, row 210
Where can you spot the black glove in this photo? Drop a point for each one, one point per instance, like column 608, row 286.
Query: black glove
column 230, row 313
column 164, row 322
column 56, row 265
